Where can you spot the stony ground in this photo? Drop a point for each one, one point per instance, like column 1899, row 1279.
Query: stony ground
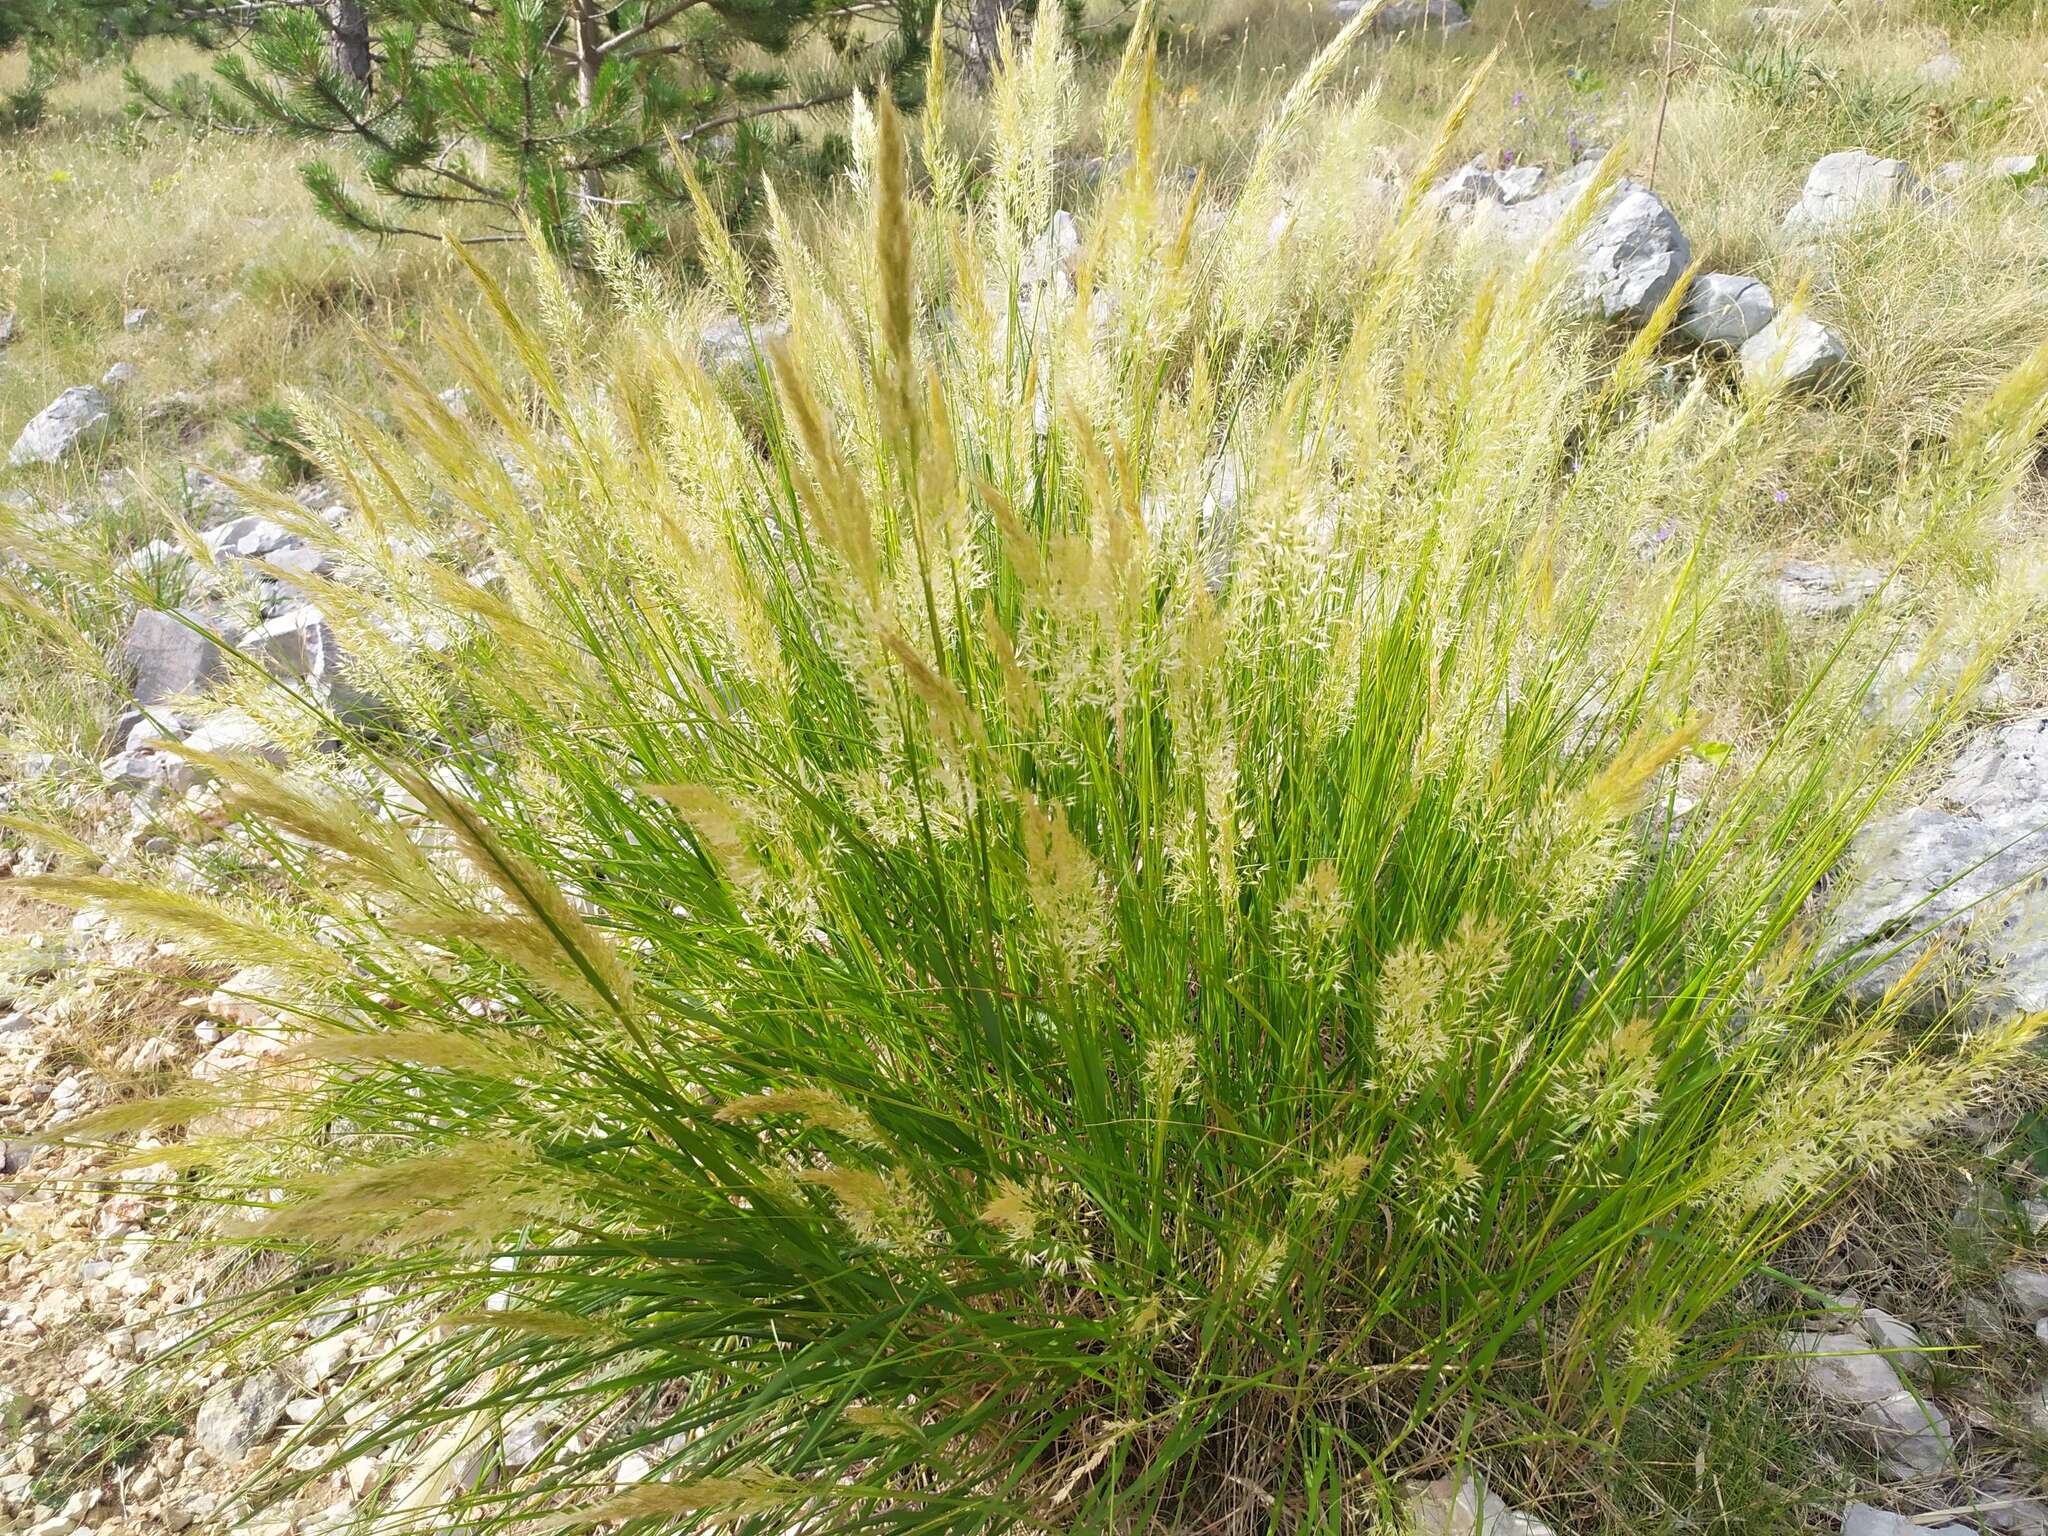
column 97, row 1281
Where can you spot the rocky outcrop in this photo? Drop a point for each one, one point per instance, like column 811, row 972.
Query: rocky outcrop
column 1411, row 15
column 238, row 1416
column 1797, row 354
column 1819, row 589
column 1849, row 185
column 173, row 655
column 1970, row 856
column 1621, row 267
column 1910, row 1434
column 1868, row 1520
column 298, row 646
column 1462, row 1505
column 73, row 422
column 1723, row 310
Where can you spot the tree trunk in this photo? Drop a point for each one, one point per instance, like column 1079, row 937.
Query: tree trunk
column 583, row 18
column 984, row 29
column 349, row 31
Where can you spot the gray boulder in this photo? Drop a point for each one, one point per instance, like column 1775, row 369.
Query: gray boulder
column 1054, row 257
column 248, row 538
column 2000, row 1504
column 137, row 769
column 1409, row 15
column 1625, row 261
column 231, row 733
column 725, row 342
column 1908, row 682
column 1942, row 69
column 238, row 1416
column 1849, row 185
column 1911, row 1435
column 1421, row 15
column 1723, row 310
column 281, row 592
column 119, row 375
column 299, row 646
column 1819, row 589
column 75, row 420
column 1474, row 183
column 1900, row 1341
column 1632, row 255
column 172, row 659
column 1798, row 354
column 1972, row 854
column 1468, row 186
column 1868, row 1520
column 1462, row 1505
column 153, row 730
column 9, row 326
column 1519, row 183
column 157, row 561
column 2028, row 1289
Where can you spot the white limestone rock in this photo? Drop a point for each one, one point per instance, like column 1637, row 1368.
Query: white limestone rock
column 1723, row 310
column 73, row 422
column 1850, row 185
column 1797, row 354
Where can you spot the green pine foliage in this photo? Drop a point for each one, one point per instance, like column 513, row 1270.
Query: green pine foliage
column 62, row 34
column 474, row 117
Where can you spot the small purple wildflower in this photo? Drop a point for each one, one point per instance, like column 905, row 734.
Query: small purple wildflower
column 1781, row 497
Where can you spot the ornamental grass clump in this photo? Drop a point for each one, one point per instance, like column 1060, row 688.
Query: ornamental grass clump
column 1114, row 896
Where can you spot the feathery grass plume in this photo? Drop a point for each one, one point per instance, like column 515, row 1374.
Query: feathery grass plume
column 812, row 1106
column 56, row 839
column 1413, row 1035
column 1151, row 943
column 1310, row 924
column 1031, row 109
column 439, row 1049
column 1290, row 116
column 1066, row 892
column 1609, row 1089
column 1042, row 1222
column 880, row 1419
column 1332, row 1182
column 838, row 508
column 1170, row 1070
column 941, row 165
column 581, row 960
column 1441, row 1182
column 882, row 1210
column 534, row 1323
column 367, row 848
column 131, row 1116
column 462, row 1198
column 895, row 366
column 207, row 929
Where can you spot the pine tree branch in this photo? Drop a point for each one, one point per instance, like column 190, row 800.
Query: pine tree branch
column 748, row 114
column 643, row 27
